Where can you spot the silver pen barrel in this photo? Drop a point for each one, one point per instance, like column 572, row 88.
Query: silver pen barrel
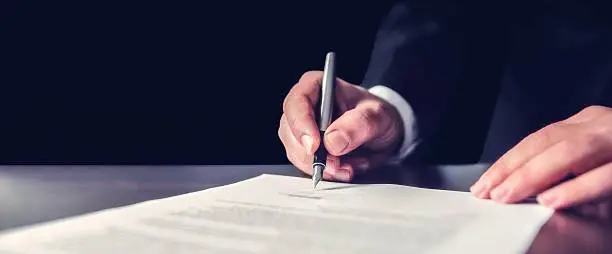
column 327, row 91
column 325, row 115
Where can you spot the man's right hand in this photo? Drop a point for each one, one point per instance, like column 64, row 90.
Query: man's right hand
column 366, row 123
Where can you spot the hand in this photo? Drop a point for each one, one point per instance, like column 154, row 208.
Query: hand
column 580, row 145
column 365, row 122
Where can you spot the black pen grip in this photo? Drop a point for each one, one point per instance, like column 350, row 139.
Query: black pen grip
column 320, row 156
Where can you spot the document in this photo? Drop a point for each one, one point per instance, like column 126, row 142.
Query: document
column 281, row 214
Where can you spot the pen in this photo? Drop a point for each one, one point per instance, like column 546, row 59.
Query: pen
column 326, row 99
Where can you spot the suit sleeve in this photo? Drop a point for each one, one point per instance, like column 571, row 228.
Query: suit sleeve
column 414, row 65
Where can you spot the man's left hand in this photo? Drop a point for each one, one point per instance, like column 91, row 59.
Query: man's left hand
column 580, row 145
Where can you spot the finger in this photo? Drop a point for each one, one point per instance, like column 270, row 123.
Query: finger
column 591, row 186
column 295, row 154
column 587, row 114
column 309, row 85
column 345, row 172
column 526, row 149
column 303, row 161
column 298, row 108
column 575, row 155
column 367, row 124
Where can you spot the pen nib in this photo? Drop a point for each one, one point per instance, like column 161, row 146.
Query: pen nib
column 316, row 176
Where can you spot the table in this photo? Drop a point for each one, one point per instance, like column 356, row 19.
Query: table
column 34, row 194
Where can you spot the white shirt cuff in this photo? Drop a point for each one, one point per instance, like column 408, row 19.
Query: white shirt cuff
column 408, row 118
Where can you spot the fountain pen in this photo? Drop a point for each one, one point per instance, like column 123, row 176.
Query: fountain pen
column 326, row 101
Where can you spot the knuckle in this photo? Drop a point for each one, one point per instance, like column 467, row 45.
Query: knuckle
column 367, row 119
column 546, row 135
column 510, row 163
column 511, row 160
column 493, row 176
column 310, row 76
column 297, row 118
column 526, row 176
column 502, row 168
column 566, row 147
column 295, row 113
column 305, row 115
column 287, row 148
column 290, row 157
column 287, row 101
column 377, row 109
column 284, row 106
column 297, row 158
column 602, row 131
column 279, row 133
column 499, row 176
column 579, row 142
column 522, row 176
column 291, row 121
column 594, row 109
column 291, row 99
column 551, row 128
column 601, row 128
column 590, row 141
column 281, row 128
column 507, row 162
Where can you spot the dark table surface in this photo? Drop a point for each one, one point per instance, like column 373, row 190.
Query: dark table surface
column 33, row 194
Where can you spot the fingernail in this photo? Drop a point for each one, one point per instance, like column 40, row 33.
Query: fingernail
column 480, row 189
column 498, row 194
column 342, row 175
column 547, row 199
column 337, row 141
column 476, row 189
column 307, row 143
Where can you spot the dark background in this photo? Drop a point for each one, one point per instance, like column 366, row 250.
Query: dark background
column 152, row 82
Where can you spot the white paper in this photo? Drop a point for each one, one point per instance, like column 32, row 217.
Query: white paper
column 280, row 214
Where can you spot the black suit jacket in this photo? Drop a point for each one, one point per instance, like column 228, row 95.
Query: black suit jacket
column 482, row 75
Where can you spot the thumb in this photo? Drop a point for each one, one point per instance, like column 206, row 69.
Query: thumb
column 368, row 124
